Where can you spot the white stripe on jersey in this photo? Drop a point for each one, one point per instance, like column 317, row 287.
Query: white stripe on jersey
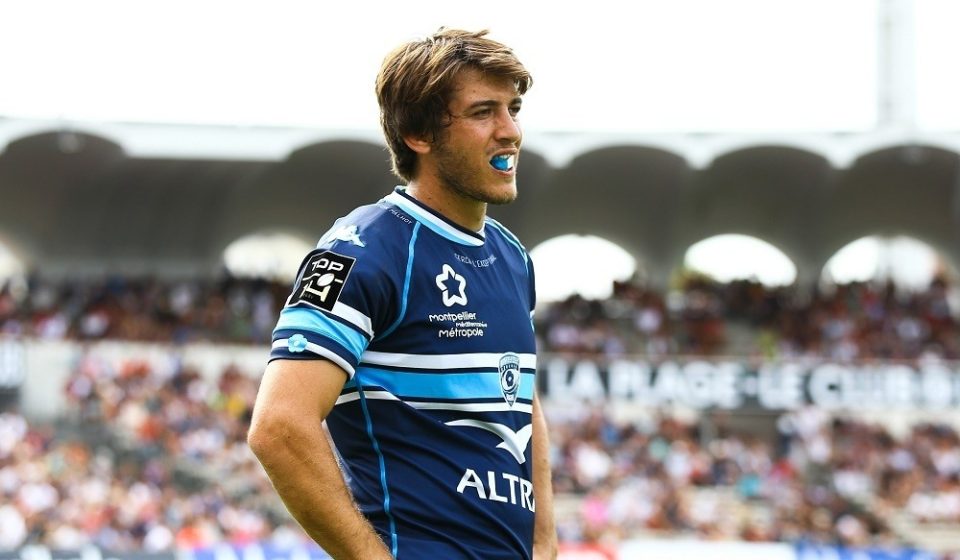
column 376, row 395
column 321, row 351
column 354, row 317
column 443, row 361
column 463, row 407
column 473, row 407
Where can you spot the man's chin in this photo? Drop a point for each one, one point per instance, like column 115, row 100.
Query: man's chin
column 490, row 193
column 505, row 196
column 503, row 200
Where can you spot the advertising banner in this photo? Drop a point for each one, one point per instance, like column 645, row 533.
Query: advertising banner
column 704, row 384
column 257, row 552
column 586, row 552
column 635, row 549
column 682, row 549
column 819, row 552
column 36, row 552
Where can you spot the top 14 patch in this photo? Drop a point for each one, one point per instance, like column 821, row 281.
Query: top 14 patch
column 322, row 280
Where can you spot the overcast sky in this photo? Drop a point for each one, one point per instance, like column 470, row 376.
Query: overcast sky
column 602, row 65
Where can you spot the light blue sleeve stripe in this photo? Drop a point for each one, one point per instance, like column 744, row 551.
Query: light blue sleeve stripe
column 315, row 321
column 470, row 385
column 406, row 282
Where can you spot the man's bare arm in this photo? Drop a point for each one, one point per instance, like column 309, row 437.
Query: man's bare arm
column 287, row 437
column 544, row 530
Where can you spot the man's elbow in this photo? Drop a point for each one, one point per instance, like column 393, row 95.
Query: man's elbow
column 267, row 432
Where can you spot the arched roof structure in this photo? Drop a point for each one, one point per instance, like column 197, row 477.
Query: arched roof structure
column 72, row 202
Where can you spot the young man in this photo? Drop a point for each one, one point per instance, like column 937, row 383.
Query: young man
column 409, row 331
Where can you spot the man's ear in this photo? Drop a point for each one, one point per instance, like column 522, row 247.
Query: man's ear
column 418, row 144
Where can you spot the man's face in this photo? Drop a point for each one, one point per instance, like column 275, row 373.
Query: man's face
column 476, row 156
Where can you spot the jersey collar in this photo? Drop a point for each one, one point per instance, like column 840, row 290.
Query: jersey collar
column 433, row 220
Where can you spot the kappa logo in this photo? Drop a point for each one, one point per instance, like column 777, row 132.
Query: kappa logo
column 350, row 234
column 452, row 286
column 514, row 442
column 510, row 377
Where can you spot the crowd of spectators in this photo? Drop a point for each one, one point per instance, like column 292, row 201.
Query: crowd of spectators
column 156, row 459
column 697, row 317
column 858, row 321
column 151, row 457
column 821, row 479
column 142, row 309
column 145, row 458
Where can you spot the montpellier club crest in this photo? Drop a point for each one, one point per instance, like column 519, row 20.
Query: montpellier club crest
column 510, row 377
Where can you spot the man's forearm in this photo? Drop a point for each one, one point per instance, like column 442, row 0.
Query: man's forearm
column 302, row 467
column 544, row 532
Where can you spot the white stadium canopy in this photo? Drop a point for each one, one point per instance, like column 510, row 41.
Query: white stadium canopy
column 807, row 125
column 694, row 77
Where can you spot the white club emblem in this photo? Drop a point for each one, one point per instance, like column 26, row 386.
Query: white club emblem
column 453, row 286
column 510, row 377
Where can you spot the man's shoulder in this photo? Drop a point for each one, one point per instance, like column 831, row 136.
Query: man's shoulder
column 496, row 230
column 374, row 227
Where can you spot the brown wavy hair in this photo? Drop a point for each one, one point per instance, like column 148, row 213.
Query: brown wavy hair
column 415, row 83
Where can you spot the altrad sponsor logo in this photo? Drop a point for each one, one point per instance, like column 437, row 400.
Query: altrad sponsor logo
column 499, row 487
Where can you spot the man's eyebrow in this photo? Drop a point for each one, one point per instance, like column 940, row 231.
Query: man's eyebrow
column 493, row 102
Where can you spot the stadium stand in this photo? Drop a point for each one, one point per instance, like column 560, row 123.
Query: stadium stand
column 153, row 458
column 849, row 322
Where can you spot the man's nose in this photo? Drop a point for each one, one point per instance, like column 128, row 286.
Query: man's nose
column 508, row 127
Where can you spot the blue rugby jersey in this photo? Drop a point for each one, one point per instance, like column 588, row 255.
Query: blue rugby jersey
column 433, row 324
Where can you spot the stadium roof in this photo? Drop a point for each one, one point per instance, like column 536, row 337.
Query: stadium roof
column 242, row 81
column 669, row 123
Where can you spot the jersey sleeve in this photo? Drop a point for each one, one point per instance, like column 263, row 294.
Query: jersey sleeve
column 344, row 294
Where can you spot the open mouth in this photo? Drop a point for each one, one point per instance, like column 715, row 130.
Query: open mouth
column 503, row 162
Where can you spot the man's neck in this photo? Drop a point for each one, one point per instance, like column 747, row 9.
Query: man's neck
column 464, row 212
